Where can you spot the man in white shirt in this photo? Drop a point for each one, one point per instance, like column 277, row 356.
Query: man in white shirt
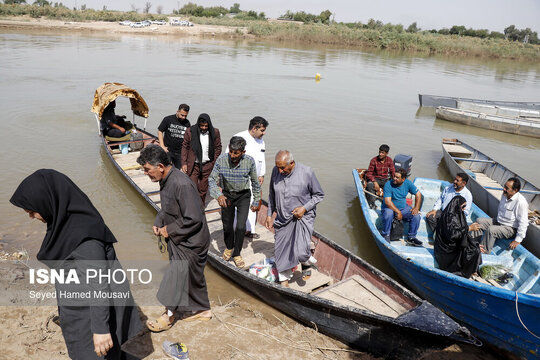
column 255, row 148
column 455, row 189
column 512, row 218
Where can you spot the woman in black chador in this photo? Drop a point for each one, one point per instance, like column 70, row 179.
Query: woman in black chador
column 455, row 250
column 76, row 231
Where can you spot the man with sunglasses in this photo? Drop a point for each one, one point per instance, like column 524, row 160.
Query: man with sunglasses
column 512, row 219
column 452, row 190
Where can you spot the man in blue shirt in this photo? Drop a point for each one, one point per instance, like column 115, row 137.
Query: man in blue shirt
column 395, row 204
column 455, row 189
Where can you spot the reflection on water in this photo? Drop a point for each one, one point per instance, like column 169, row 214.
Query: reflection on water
column 363, row 100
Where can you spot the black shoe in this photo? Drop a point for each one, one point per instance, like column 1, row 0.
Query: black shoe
column 413, row 242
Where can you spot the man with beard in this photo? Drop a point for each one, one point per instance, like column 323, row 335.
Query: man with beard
column 182, row 223
column 255, row 147
column 171, row 133
column 452, row 190
column 395, row 205
column 200, row 150
column 512, row 219
column 294, row 195
column 233, row 176
column 381, row 168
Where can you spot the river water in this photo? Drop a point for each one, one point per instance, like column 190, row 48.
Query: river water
column 47, row 82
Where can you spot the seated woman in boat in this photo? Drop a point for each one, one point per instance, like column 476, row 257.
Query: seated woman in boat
column 455, row 250
column 77, row 235
column 114, row 125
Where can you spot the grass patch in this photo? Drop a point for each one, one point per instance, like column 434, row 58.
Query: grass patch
column 423, row 42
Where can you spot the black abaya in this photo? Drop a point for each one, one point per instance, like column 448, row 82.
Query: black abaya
column 76, row 231
column 455, row 250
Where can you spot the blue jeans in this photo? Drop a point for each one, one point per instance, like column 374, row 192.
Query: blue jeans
column 388, row 216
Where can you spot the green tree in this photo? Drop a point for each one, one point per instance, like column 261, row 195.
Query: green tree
column 14, row 1
column 235, row 9
column 413, row 28
column 325, row 16
column 41, row 3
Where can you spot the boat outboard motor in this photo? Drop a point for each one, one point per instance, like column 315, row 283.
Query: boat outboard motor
column 403, row 161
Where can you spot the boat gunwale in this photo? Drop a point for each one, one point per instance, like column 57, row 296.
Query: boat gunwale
column 525, row 298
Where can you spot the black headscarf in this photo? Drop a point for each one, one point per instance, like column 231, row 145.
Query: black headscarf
column 455, row 250
column 196, row 141
column 71, row 218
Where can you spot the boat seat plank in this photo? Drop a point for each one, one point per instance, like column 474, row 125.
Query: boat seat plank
column 486, row 181
column 316, row 281
column 358, row 292
column 458, row 150
column 529, row 283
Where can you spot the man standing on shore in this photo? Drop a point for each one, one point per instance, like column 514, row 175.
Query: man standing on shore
column 200, row 150
column 182, row 223
column 294, row 195
column 255, row 147
column 171, row 134
column 233, row 176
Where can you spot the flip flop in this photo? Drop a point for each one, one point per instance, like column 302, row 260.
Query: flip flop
column 198, row 316
column 239, row 262
column 227, row 254
column 252, row 235
column 159, row 324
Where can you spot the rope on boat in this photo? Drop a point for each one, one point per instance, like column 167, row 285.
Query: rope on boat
column 517, row 313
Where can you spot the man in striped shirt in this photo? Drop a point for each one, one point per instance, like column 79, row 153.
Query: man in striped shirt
column 230, row 184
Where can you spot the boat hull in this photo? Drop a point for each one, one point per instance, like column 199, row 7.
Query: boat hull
column 516, row 125
column 489, row 312
column 435, row 100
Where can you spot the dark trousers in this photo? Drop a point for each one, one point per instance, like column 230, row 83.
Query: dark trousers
column 176, row 159
column 200, row 178
column 234, row 238
column 431, row 222
column 371, row 188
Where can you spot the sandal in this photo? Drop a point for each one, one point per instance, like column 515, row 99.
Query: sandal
column 306, row 274
column 198, row 316
column 239, row 262
column 160, row 324
column 227, row 254
column 252, row 235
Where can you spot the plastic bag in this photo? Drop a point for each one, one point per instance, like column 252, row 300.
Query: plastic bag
column 265, row 269
column 489, row 272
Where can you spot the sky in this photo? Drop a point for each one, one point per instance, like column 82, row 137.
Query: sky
column 429, row 14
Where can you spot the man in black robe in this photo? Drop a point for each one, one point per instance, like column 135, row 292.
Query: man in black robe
column 182, row 223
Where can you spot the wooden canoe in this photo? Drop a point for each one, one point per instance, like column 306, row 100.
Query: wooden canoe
column 487, row 178
column 503, row 315
column 346, row 298
column 518, row 125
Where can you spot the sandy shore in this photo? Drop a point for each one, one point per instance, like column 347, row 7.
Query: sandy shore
column 115, row 28
column 238, row 330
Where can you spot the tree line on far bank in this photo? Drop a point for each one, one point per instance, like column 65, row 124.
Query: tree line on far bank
column 326, row 17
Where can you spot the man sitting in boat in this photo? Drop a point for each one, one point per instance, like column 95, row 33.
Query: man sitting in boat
column 452, row 190
column 395, row 205
column 512, row 218
column 114, row 125
column 381, row 168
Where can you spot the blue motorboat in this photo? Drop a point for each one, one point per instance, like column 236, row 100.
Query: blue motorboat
column 505, row 315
